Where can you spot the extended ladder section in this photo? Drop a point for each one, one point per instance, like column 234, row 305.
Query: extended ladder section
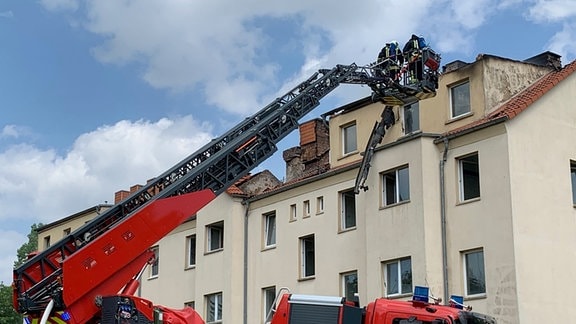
column 216, row 166
column 398, row 93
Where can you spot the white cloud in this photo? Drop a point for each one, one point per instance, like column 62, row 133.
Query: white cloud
column 564, row 42
column 552, row 10
column 9, row 131
column 42, row 186
column 10, row 242
column 223, row 47
column 7, row 14
column 60, row 5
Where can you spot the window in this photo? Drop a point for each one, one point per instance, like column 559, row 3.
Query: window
column 349, row 139
column 469, row 177
column 398, row 274
column 191, row 251
column 307, row 256
column 292, row 212
column 268, row 295
column 573, row 177
column 306, row 207
column 411, row 118
column 460, row 99
column 270, row 229
column 191, row 304
column 474, row 275
column 66, row 231
column 319, row 205
column 214, row 308
column 396, row 186
column 215, row 236
column 155, row 267
column 349, row 284
column 46, row 242
column 348, row 209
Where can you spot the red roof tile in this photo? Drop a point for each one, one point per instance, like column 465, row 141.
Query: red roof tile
column 520, row 101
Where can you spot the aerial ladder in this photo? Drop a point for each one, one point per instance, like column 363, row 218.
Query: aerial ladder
column 91, row 275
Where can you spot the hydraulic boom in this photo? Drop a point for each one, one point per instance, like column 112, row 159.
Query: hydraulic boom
column 99, row 258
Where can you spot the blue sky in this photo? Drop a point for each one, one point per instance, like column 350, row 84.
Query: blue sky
column 99, row 95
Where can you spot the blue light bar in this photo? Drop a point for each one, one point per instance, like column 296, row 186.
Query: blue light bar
column 65, row 316
column 457, row 301
column 421, row 294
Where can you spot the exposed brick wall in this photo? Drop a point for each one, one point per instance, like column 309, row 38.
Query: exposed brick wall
column 311, row 157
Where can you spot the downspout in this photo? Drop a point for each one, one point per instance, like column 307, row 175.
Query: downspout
column 443, row 220
column 246, row 204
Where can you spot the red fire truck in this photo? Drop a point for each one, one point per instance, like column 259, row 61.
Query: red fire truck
column 92, row 274
column 301, row 309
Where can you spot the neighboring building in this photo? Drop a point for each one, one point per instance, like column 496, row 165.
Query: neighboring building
column 472, row 192
column 55, row 231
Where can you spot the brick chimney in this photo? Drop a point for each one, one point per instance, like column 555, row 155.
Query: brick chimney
column 311, row 157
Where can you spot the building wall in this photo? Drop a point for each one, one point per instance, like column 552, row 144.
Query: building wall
column 541, row 145
column 524, row 220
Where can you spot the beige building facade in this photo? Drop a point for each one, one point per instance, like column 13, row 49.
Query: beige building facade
column 471, row 193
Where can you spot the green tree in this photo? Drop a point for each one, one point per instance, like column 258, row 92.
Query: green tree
column 28, row 247
column 7, row 313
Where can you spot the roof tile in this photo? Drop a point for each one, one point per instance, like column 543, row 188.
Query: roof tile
column 521, row 100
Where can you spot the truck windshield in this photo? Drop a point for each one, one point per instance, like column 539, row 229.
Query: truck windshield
column 475, row 318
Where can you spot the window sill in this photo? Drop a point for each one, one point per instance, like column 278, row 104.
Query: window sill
column 307, row 278
column 269, row 247
column 459, row 117
column 322, row 212
column 190, row 267
column 348, row 154
column 213, row 251
column 395, row 204
column 153, row 277
column 468, row 201
column 475, row 297
column 344, row 230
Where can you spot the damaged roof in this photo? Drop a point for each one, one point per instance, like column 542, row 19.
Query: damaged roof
column 517, row 103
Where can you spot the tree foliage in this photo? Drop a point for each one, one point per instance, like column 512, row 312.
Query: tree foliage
column 7, row 313
column 28, row 247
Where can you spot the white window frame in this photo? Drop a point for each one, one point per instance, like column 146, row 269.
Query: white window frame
column 348, row 131
column 306, row 208
column 191, row 304
column 305, row 249
column 344, row 209
column 399, row 194
column 397, row 263
column 573, row 180
column 412, row 112
column 270, row 229
column 319, row 205
column 46, row 242
column 215, row 317
column 155, row 267
column 453, row 104
column 463, row 184
column 268, row 297
column 293, row 213
column 210, row 231
column 344, row 277
column 191, row 251
column 465, row 269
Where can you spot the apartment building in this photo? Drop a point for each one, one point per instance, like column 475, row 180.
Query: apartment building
column 471, row 193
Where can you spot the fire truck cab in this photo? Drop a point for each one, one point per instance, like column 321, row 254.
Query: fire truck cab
column 302, row 309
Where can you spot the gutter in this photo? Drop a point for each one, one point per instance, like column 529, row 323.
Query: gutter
column 443, row 220
column 246, row 204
